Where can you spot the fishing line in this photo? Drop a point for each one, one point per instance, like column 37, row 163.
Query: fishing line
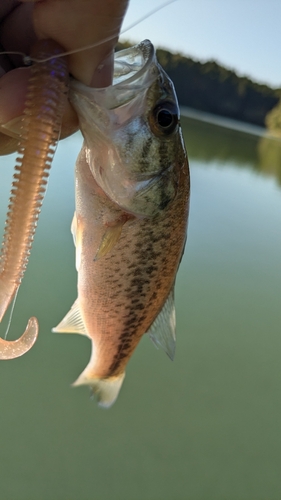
column 11, row 314
column 27, row 60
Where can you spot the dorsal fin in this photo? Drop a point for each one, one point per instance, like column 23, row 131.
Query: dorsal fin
column 163, row 330
column 72, row 322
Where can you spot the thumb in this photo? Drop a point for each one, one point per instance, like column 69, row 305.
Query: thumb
column 76, row 24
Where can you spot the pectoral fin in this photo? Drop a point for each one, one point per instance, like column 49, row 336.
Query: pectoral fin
column 109, row 239
column 72, row 322
column 163, row 330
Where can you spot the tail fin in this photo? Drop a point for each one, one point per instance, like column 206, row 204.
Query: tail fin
column 105, row 389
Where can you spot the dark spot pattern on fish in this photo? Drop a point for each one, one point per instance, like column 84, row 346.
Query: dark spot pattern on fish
column 151, row 269
column 136, row 272
column 164, row 152
column 146, row 147
column 130, row 140
column 139, row 289
column 125, row 341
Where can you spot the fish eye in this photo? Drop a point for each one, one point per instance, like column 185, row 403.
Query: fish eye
column 164, row 119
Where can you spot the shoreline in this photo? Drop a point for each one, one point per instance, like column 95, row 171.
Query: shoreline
column 222, row 121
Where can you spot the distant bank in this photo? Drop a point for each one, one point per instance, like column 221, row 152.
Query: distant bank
column 213, row 89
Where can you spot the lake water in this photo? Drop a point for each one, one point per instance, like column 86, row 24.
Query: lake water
column 208, row 425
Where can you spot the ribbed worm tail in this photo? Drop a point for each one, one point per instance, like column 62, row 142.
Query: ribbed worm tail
column 46, row 98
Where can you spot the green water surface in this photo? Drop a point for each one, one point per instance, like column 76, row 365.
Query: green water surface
column 208, row 425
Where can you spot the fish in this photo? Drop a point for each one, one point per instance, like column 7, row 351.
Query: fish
column 132, row 189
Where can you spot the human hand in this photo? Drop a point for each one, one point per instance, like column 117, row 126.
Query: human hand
column 71, row 23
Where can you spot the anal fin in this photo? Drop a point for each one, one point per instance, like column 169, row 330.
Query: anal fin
column 72, row 322
column 163, row 330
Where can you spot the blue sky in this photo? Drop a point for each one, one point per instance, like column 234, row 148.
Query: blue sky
column 244, row 35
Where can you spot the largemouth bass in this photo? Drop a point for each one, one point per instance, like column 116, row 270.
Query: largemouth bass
column 132, row 198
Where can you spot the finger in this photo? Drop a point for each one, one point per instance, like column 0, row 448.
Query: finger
column 13, row 87
column 76, row 24
column 17, row 33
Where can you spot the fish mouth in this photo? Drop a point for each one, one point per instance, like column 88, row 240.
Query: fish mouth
column 131, row 66
column 134, row 70
column 134, row 61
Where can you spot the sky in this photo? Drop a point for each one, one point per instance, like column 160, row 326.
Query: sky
column 244, row 35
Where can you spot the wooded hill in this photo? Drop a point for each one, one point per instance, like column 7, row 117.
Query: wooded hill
column 214, row 89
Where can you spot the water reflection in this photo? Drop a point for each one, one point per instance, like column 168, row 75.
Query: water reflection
column 269, row 154
column 207, row 142
column 212, row 143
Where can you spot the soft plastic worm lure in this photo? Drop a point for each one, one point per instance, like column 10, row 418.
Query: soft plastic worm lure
column 46, row 98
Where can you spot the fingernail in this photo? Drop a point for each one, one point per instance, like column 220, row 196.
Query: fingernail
column 103, row 74
column 13, row 127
